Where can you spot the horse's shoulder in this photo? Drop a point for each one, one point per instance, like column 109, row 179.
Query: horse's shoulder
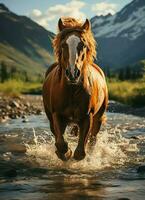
column 51, row 67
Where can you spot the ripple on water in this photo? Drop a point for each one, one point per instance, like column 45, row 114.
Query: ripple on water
column 111, row 151
column 35, row 172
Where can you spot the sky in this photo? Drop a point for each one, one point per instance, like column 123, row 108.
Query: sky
column 47, row 12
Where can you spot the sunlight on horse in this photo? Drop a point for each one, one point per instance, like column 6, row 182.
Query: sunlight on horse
column 74, row 89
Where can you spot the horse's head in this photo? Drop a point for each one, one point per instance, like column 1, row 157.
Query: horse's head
column 73, row 49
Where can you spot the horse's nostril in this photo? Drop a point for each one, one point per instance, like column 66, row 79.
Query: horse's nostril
column 77, row 73
column 67, row 72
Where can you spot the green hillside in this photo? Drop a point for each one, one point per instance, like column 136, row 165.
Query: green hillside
column 25, row 47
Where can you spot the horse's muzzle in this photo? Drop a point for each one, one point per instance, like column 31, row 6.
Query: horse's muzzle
column 73, row 78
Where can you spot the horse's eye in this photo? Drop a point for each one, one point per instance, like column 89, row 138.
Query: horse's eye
column 81, row 45
column 83, row 57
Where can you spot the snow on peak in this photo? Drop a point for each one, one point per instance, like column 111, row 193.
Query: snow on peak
column 126, row 23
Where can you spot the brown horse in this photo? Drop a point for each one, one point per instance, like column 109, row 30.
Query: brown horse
column 74, row 89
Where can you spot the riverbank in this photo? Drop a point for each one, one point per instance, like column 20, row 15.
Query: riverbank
column 24, row 105
column 20, row 107
column 117, row 107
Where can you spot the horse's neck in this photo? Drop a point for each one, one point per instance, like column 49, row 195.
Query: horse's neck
column 92, row 75
column 87, row 76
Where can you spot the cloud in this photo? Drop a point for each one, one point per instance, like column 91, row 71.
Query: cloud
column 104, row 8
column 71, row 9
column 36, row 13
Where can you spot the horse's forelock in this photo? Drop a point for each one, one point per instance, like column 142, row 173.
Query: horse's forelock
column 75, row 27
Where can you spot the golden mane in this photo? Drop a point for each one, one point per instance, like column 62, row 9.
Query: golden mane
column 73, row 24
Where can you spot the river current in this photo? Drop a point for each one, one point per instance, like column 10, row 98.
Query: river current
column 30, row 169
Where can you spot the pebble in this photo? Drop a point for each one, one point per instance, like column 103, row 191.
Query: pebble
column 24, row 117
column 13, row 108
column 10, row 173
column 141, row 169
column 38, row 112
column 135, row 137
column 14, row 104
column 123, row 198
column 25, row 120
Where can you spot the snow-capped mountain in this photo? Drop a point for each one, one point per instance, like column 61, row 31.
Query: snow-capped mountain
column 121, row 37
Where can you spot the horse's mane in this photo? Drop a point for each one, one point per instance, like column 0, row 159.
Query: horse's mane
column 72, row 24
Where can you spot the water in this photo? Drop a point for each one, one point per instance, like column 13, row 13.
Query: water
column 29, row 168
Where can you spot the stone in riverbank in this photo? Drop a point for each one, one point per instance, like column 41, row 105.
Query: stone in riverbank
column 117, row 107
column 141, row 169
column 15, row 107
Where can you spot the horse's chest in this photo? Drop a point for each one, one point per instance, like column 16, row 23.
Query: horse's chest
column 72, row 113
column 76, row 109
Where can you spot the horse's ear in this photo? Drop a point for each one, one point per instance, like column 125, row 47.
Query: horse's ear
column 60, row 25
column 86, row 26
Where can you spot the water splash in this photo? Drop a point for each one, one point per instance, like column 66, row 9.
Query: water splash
column 111, row 151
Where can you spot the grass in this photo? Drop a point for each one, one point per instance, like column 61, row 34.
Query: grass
column 128, row 92
column 17, row 87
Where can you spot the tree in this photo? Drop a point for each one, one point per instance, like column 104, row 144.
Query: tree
column 108, row 72
column 13, row 72
column 121, row 75
column 128, row 73
column 4, row 72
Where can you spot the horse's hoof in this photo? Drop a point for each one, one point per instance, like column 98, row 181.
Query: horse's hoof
column 79, row 155
column 66, row 156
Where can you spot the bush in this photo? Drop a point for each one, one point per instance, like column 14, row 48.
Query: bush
column 128, row 92
column 16, row 87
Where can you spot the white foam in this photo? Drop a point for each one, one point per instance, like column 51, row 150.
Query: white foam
column 111, row 151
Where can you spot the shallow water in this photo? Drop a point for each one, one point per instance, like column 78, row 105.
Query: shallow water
column 29, row 168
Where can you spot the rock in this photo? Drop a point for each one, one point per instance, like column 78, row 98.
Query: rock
column 25, row 120
column 141, row 169
column 38, row 112
column 13, row 116
column 2, row 138
column 17, row 148
column 14, row 104
column 24, row 117
column 3, row 119
column 135, row 137
column 10, row 173
column 123, row 198
column 14, row 107
column 8, row 107
column 27, row 104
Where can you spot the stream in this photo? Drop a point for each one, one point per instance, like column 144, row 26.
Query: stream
column 30, row 169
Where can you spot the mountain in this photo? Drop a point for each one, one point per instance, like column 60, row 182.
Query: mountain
column 121, row 37
column 24, row 44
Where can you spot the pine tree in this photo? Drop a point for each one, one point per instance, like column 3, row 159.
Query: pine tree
column 4, row 72
column 121, row 75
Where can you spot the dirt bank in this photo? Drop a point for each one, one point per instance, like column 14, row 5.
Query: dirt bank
column 15, row 107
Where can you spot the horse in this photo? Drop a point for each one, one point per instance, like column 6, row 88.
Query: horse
column 74, row 89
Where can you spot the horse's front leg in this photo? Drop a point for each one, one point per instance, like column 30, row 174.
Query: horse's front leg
column 59, row 124
column 85, row 128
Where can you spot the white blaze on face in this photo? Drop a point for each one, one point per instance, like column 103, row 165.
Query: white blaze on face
column 72, row 42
